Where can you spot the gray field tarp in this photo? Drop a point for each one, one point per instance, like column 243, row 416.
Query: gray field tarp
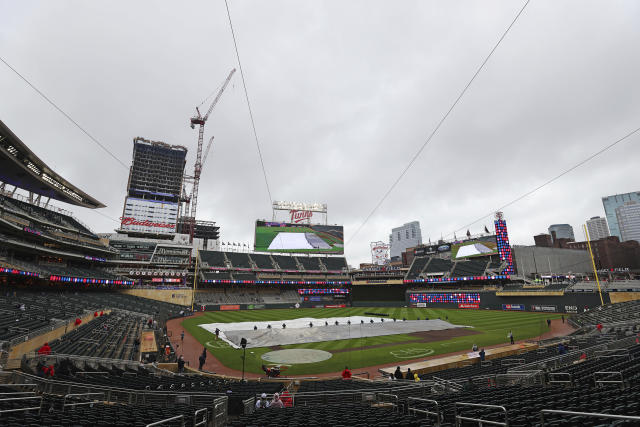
column 317, row 333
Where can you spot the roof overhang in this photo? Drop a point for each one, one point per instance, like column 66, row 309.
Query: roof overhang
column 20, row 167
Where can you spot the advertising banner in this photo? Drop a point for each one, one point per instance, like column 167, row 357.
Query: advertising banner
column 571, row 308
column 421, row 305
column 256, row 306
column 299, row 238
column 149, row 216
column 544, row 308
column 335, row 306
column 229, row 307
column 465, row 305
column 518, row 307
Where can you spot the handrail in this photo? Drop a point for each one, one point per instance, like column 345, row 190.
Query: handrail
column 34, row 386
column 553, row 375
column 586, row 414
column 39, row 407
column 608, row 374
column 363, row 373
column 460, row 418
column 202, row 422
column 424, row 411
column 165, row 421
column 65, row 404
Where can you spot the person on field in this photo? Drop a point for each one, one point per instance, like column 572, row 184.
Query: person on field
column 202, row 359
column 475, row 347
column 510, row 336
column 482, row 355
column 398, row 374
column 346, row 374
column 548, row 323
column 182, row 336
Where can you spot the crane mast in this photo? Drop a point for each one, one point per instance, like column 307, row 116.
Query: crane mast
column 200, row 121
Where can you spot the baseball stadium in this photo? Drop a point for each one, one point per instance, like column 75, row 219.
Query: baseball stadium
column 158, row 324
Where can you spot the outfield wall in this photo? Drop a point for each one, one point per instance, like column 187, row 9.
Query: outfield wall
column 571, row 302
column 173, row 296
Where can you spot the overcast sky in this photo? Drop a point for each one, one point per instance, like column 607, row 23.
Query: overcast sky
column 343, row 94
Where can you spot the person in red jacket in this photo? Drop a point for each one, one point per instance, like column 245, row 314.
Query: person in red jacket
column 346, row 374
column 599, row 327
column 78, row 321
column 45, row 349
column 286, row 399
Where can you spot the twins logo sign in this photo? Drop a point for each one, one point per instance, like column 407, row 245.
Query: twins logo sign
column 299, row 216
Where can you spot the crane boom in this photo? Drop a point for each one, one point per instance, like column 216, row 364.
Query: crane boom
column 200, row 121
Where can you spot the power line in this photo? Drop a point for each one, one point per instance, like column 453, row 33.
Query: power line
column 577, row 165
column 246, row 94
column 442, row 120
column 46, row 98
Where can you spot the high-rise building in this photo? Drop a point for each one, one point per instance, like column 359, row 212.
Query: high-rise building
column 561, row 231
column 597, row 228
column 610, row 204
column 154, row 187
column 406, row 236
column 628, row 216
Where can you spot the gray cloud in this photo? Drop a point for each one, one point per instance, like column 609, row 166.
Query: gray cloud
column 343, row 94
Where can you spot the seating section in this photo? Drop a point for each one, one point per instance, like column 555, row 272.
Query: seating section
column 285, row 262
column 41, row 214
column 221, row 275
column 246, row 295
column 42, row 309
column 112, row 336
column 611, row 313
column 214, row 258
column 239, row 259
column 60, row 270
column 335, row 263
column 23, row 313
column 417, row 266
column 472, row 267
column 96, row 414
column 243, row 275
column 438, row 265
column 310, row 263
column 329, row 415
column 263, row 261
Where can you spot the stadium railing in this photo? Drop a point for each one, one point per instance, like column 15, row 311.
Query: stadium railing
column 460, row 406
column 584, row 414
column 216, row 401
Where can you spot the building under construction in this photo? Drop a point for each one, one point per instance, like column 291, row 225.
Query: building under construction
column 152, row 203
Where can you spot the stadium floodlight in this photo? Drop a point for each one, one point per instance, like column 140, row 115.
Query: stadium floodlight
column 300, row 206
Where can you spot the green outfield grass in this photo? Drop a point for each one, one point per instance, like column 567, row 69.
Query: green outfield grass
column 493, row 325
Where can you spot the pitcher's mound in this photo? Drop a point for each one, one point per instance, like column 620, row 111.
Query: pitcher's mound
column 296, row 356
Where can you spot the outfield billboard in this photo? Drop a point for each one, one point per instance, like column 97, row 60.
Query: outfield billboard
column 474, row 248
column 299, row 238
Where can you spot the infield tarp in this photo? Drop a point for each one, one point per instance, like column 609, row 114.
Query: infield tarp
column 298, row 331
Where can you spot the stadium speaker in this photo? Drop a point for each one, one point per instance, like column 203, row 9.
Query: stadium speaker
column 243, row 343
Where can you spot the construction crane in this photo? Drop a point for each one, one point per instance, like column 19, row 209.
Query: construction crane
column 200, row 121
